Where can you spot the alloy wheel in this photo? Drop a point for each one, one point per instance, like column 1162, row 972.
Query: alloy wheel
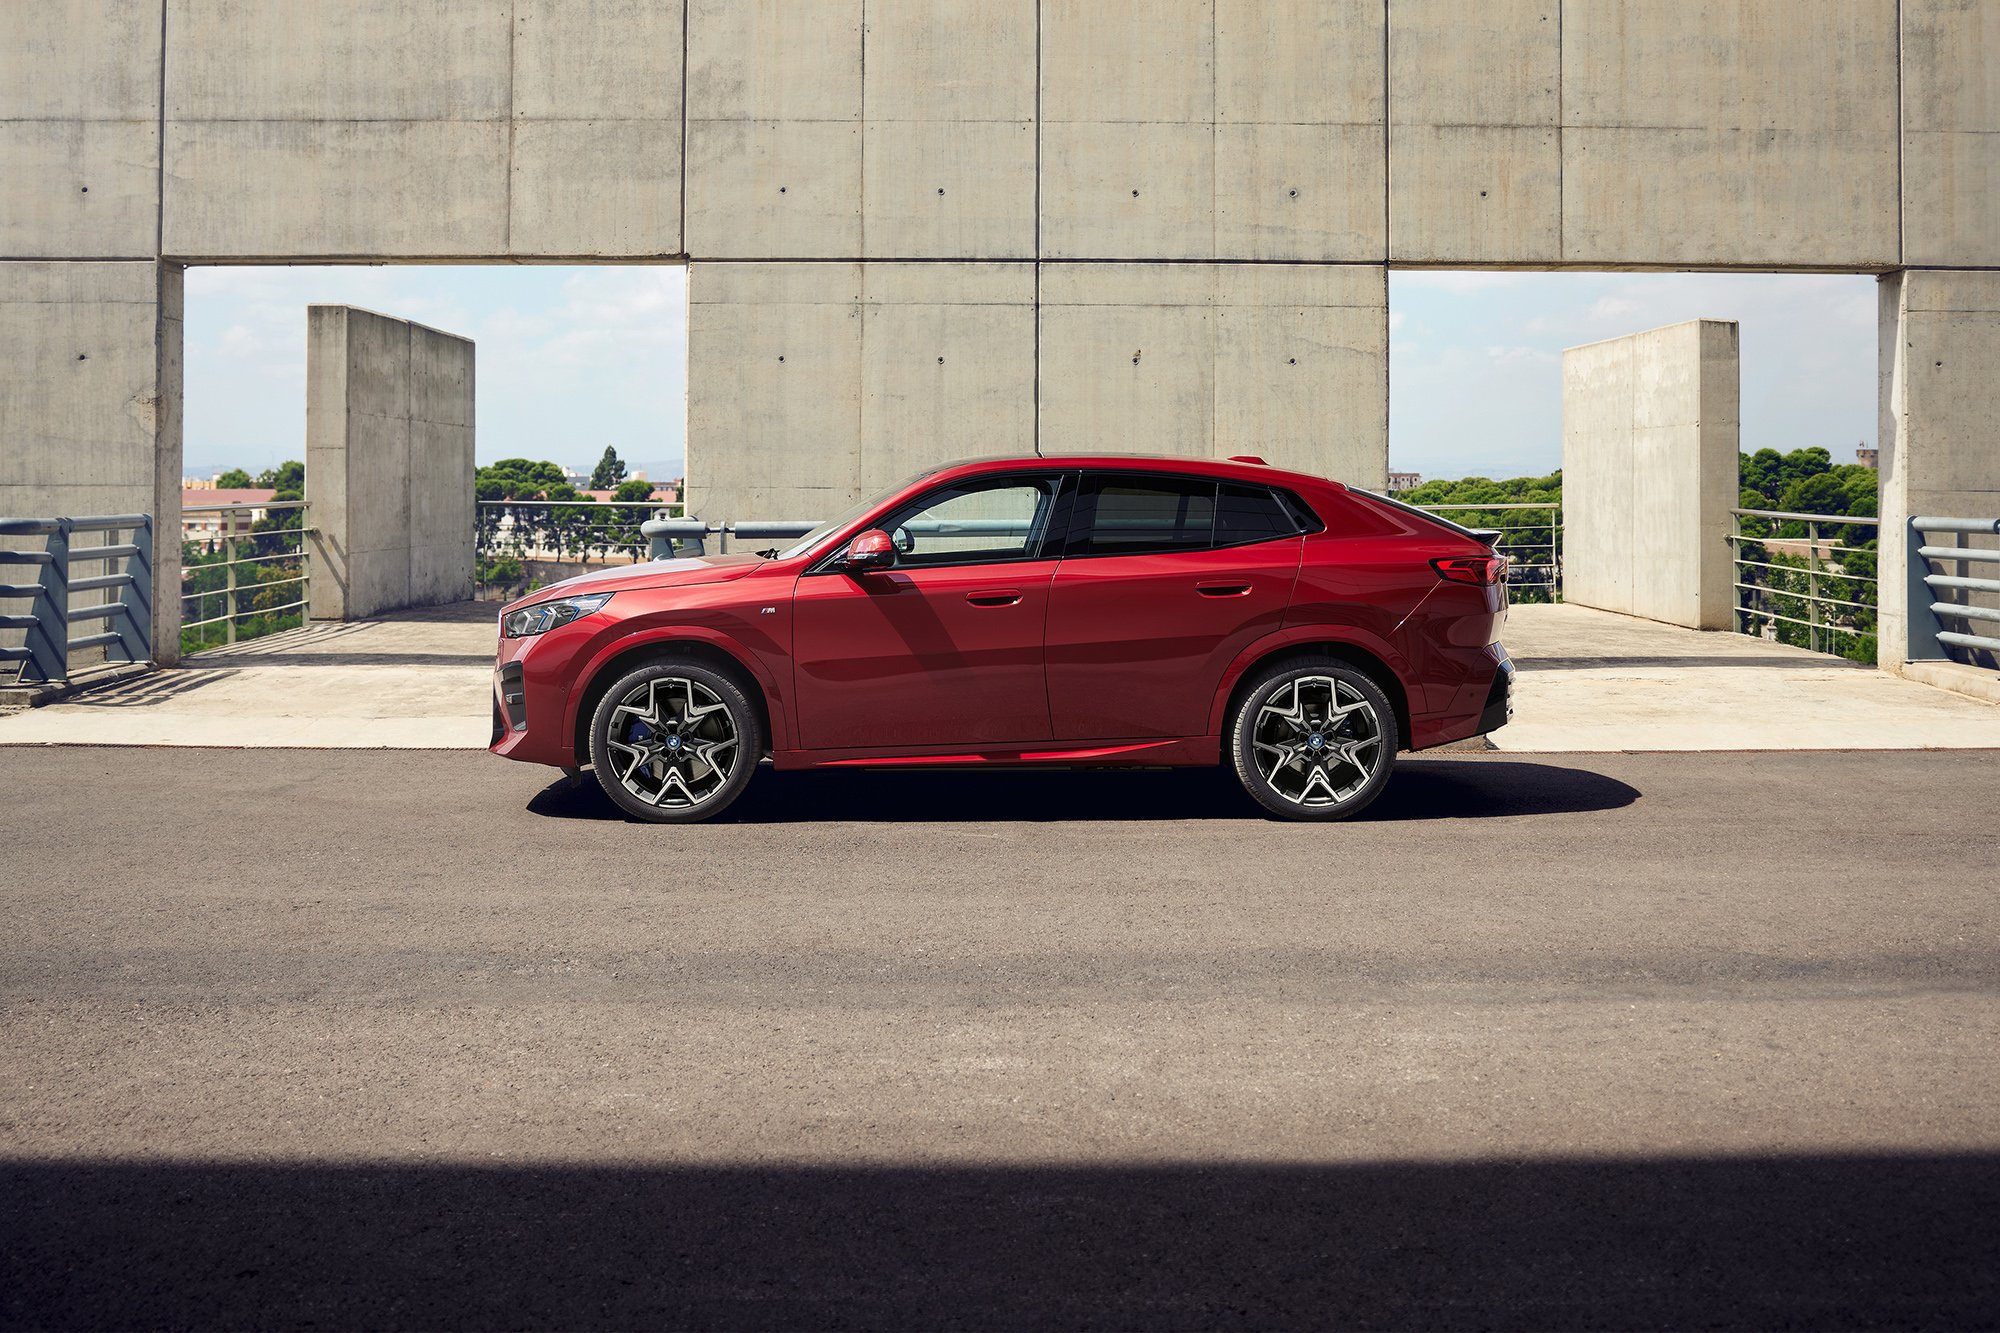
column 673, row 742
column 1317, row 741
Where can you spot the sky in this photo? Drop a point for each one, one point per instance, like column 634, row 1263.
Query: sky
column 573, row 358
column 1475, row 359
column 570, row 359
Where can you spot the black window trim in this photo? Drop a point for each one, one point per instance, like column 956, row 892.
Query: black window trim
column 1295, row 508
column 1054, row 532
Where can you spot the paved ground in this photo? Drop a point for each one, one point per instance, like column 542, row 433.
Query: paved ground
column 1590, row 681
column 414, row 1039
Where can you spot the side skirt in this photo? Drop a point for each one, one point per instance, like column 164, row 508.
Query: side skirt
column 1170, row 752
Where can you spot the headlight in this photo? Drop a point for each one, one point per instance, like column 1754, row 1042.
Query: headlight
column 545, row 616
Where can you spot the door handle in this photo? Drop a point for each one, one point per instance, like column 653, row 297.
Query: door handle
column 1222, row 589
column 994, row 597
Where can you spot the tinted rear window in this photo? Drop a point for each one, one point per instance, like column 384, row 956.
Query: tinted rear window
column 1250, row 514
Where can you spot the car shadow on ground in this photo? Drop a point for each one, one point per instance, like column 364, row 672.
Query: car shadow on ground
column 1420, row 789
column 1706, row 1242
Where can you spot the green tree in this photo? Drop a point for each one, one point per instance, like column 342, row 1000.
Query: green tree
column 287, row 476
column 236, row 479
column 634, row 492
column 610, row 470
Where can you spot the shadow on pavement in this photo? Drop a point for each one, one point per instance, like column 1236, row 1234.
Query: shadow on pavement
column 1820, row 1242
column 1420, row 789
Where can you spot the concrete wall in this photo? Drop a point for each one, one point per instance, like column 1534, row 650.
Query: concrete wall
column 1649, row 473
column 1100, row 152
column 388, row 463
column 1940, row 430
column 89, row 406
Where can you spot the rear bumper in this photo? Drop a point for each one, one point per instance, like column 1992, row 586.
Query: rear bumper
column 1499, row 710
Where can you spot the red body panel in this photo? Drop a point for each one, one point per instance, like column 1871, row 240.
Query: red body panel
column 944, row 656
column 1136, row 643
column 1110, row 659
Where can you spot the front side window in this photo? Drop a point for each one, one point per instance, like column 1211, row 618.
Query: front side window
column 981, row 521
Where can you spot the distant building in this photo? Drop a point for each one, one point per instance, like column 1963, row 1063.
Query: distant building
column 199, row 526
column 1867, row 457
column 1405, row 481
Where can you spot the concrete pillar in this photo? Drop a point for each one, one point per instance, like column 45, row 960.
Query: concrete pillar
column 389, row 428
column 1940, row 431
column 90, row 406
column 1650, row 473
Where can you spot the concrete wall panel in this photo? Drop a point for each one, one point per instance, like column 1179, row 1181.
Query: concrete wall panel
column 1475, row 162
column 90, row 404
column 316, row 189
column 441, row 502
column 947, row 365
column 1125, row 189
column 389, row 420
column 774, row 128
column 1951, row 132
column 366, row 60
column 1213, row 129
column 595, row 187
column 949, row 146
column 79, row 130
column 1940, row 427
column 818, row 383
column 1285, row 361
column 1763, row 132
column 949, row 189
column 1650, row 441
column 595, row 160
column 774, row 372
column 597, row 60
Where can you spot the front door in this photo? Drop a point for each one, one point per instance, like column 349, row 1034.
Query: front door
column 945, row 647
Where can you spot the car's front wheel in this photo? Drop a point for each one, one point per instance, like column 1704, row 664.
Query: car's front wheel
column 1314, row 739
column 675, row 741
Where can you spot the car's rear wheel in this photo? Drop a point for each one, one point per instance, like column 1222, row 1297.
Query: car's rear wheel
column 675, row 741
column 1314, row 739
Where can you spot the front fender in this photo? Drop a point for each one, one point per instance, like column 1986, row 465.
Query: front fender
column 776, row 703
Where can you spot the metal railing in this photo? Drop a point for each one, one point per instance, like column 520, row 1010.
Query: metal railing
column 1941, row 599
column 1803, row 588
column 126, row 618
column 1535, row 546
column 245, row 581
column 512, row 535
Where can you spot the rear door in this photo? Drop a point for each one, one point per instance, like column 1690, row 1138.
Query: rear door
column 1164, row 580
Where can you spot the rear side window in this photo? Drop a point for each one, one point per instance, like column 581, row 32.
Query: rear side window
column 1135, row 516
column 1246, row 514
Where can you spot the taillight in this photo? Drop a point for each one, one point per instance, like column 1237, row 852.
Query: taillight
column 1481, row 570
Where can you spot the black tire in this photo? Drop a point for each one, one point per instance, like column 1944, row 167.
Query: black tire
column 661, row 741
column 1337, row 764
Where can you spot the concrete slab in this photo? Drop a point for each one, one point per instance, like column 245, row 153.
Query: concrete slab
column 416, row 680
column 1594, row 681
column 1590, row 681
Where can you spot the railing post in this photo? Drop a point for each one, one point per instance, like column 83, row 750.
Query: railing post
column 135, row 627
column 229, row 594
column 58, row 597
column 1812, row 584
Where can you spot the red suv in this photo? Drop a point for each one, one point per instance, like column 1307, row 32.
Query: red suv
column 1058, row 611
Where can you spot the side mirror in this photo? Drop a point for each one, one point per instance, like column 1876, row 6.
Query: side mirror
column 870, row 550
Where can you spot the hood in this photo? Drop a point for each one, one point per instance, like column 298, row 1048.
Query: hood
column 652, row 574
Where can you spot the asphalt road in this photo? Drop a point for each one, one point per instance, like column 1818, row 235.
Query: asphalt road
column 422, row 1039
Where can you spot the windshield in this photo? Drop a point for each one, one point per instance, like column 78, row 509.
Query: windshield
column 846, row 516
